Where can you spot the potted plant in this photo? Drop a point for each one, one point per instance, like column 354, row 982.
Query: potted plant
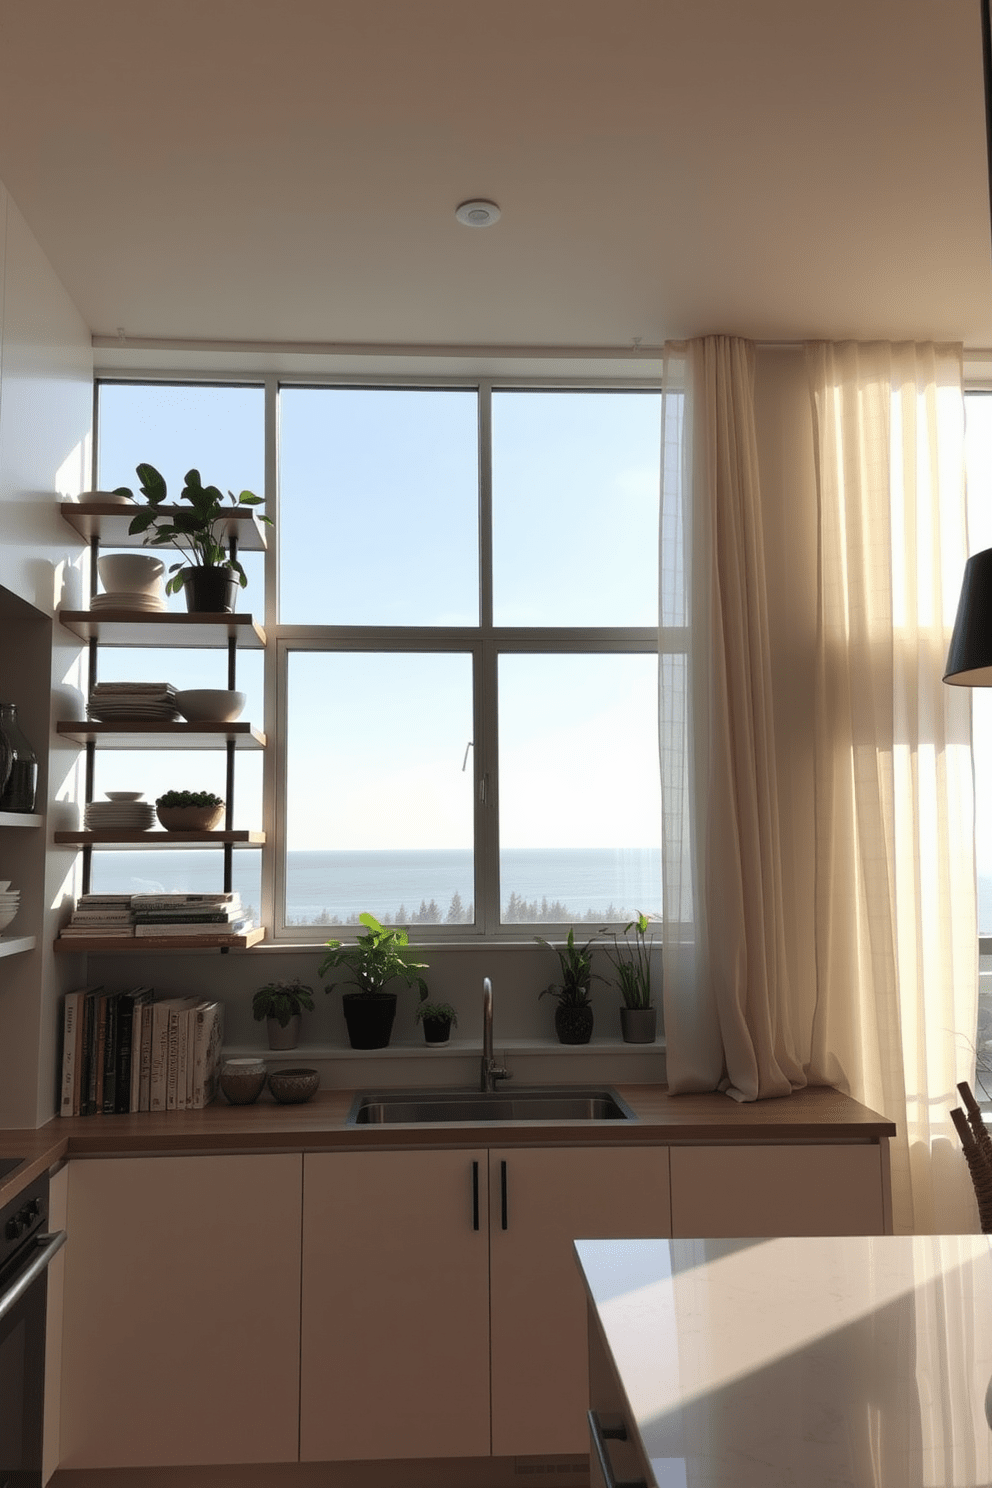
column 208, row 573
column 438, row 1019
column 638, row 1019
column 573, row 1015
column 280, row 1004
column 377, row 957
column 189, row 811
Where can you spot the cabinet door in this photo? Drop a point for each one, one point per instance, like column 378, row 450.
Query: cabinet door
column 540, row 1377
column 395, row 1348
column 829, row 1189
column 181, row 1310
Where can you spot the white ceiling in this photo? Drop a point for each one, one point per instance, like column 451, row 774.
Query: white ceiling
column 288, row 172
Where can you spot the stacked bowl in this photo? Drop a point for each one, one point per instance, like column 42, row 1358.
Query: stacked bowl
column 10, row 900
column 131, row 581
column 124, row 811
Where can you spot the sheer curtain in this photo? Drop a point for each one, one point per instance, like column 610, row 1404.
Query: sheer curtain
column 726, row 984
column 896, row 925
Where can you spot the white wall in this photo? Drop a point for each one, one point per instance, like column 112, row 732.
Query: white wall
column 46, row 404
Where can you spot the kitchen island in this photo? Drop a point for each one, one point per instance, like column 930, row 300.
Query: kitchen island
column 822, row 1362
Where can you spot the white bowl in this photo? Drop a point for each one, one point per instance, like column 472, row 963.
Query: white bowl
column 106, row 496
column 131, row 573
column 210, row 705
column 6, row 915
column 4, row 884
column 124, row 795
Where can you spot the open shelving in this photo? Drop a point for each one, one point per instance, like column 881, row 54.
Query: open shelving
column 14, row 945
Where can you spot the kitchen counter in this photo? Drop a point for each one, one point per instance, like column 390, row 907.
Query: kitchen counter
column 816, row 1114
column 825, row 1362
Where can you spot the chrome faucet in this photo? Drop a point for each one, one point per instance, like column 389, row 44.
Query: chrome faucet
column 491, row 1071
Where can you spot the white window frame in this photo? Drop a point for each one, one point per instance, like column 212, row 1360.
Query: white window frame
column 485, row 642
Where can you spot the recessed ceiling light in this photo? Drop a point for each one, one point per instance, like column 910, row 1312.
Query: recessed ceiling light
column 478, row 213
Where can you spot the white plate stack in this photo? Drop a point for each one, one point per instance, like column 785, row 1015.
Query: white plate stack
column 10, row 902
column 132, row 581
column 133, row 702
column 123, row 812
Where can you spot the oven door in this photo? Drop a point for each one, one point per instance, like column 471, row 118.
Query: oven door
column 23, row 1294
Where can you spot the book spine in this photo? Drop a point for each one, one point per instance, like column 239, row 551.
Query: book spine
column 145, row 1060
column 70, row 1015
column 92, row 1053
column 159, row 1078
column 125, row 1026
column 110, row 1055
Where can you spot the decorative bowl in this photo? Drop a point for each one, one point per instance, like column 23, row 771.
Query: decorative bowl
column 190, row 818
column 293, row 1086
column 131, row 573
column 6, row 916
column 242, row 1080
column 210, row 704
column 111, row 496
column 123, row 795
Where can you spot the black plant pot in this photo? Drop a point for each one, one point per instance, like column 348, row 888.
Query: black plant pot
column 573, row 1025
column 210, row 591
column 369, row 1018
column 437, row 1030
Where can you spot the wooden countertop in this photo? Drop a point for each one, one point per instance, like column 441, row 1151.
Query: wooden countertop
column 816, row 1114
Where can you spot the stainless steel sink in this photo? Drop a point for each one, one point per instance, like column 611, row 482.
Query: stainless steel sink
column 531, row 1103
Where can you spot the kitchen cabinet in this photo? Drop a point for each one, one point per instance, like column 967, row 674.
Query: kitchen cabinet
column 540, row 1384
column 395, row 1334
column 451, row 1276
column 768, row 1188
column 182, row 1311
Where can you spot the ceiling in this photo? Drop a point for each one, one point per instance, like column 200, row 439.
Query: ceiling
column 245, row 170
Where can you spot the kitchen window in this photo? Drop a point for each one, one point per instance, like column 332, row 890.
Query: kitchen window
column 461, row 676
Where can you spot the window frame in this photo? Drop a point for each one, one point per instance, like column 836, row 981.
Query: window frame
column 485, row 642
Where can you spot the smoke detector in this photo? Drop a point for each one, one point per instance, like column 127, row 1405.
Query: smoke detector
column 478, row 213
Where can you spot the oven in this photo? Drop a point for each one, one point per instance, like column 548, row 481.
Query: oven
column 25, row 1252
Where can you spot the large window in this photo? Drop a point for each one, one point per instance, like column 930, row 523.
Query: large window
column 461, row 678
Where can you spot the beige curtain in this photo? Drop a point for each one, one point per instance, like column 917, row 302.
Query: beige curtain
column 896, row 934
column 727, row 1002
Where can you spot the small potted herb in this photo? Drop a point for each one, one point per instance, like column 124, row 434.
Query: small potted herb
column 280, row 1004
column 632, row 960
column 377, row 957
column 573, row 1015
column 189, row 811
column 209, row 575
column 438, row 1019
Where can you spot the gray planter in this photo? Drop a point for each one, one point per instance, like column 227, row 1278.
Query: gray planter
column 283, row 1038
column 638, row 1025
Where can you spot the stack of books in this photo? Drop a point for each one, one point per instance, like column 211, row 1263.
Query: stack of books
column 189, row 915
column 128, row 1051
column 100, row 914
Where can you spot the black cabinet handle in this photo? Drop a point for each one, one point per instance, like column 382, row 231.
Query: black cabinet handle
column 475, row 1196
column 599, row 1433
column 502, row 1196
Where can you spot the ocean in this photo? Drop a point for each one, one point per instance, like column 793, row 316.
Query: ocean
column 430, row 887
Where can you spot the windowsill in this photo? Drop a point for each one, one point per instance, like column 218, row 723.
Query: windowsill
column 457, row 1048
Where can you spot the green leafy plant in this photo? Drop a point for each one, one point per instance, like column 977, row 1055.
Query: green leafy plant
column 377, row 957
column 632, row 962
column 193, row 532
column 577, row 975
column 436, row 1010
column 282, row 1001
column 188, row 798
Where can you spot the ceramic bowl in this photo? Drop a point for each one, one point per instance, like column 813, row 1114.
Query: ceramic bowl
column 210, row 705
column 242, row 1080
column 190, row 818
column 6, row 915
column 131, row 573
column 4, row 884
column 291, row 1087
column 123, row 795
column 111, row 496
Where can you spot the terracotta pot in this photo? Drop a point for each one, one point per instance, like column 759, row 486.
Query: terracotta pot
column 573, row 1025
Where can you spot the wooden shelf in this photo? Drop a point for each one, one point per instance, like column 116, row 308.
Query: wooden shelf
column 168, row 628
column 155, row 735
column 92, row 943
column 109, row 521
column 13, row 945
column 20, row 819
column 159, row 839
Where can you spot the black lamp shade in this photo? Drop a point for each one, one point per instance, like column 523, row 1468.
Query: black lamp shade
column 969, row 660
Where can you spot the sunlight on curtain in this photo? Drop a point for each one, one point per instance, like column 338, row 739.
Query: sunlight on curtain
column 896, row 928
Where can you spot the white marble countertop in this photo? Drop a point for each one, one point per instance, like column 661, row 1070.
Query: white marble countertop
column 812, row 1363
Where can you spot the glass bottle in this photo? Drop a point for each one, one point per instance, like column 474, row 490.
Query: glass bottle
column 22, row 782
